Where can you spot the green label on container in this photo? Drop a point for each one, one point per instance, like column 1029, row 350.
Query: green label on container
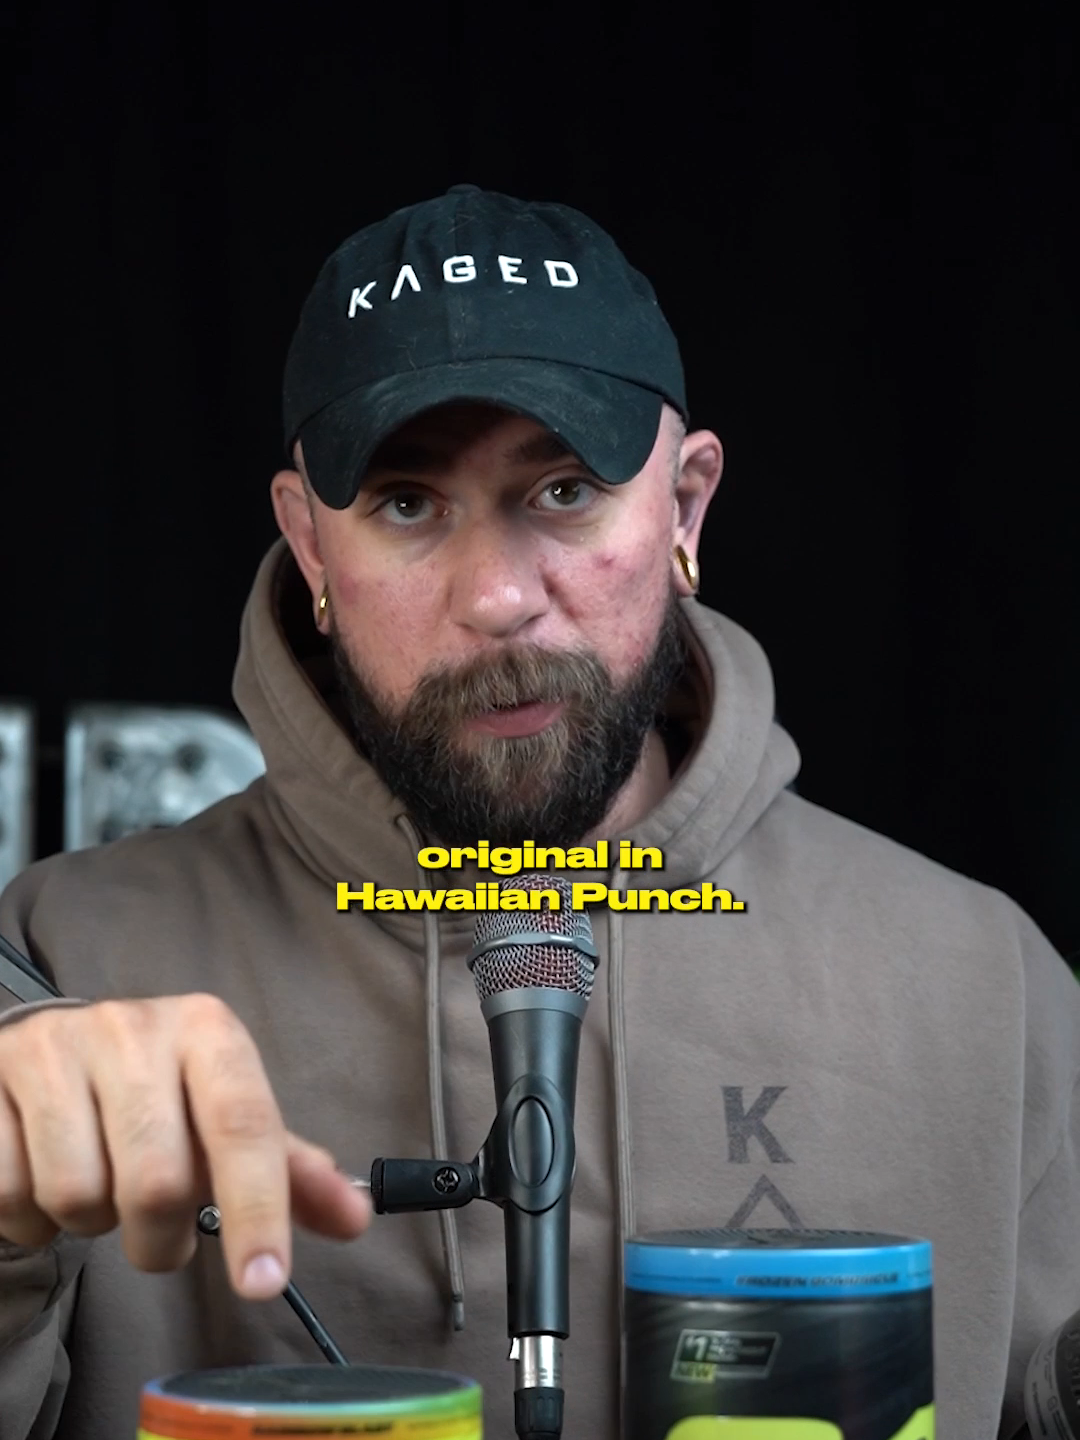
column 744, row 1427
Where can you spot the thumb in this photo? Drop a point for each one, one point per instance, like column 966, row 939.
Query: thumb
column 306, row 1153
column 323, row 1199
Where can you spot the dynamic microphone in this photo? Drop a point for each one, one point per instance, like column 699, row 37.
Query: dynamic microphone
column 534, row 974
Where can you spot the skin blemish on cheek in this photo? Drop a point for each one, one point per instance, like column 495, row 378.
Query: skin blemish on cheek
column 349, row 589
column 626, row 563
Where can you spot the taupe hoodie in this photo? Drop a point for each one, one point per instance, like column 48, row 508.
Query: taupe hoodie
column 875, row 1042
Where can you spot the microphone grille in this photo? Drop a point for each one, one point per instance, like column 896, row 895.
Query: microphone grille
column 515, row 965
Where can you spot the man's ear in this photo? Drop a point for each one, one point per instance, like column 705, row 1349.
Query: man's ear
column 701, row 463
column 294, row 508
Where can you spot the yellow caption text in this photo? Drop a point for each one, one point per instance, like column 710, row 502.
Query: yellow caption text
column 488, row 896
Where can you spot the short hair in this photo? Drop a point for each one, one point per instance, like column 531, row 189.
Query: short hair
column 678, row 435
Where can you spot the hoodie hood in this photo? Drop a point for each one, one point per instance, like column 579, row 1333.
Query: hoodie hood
column 344, row 821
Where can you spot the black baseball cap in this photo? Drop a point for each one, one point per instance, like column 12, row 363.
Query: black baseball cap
column 478, row 296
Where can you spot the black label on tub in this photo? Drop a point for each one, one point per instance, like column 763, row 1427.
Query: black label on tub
column 703, row 1356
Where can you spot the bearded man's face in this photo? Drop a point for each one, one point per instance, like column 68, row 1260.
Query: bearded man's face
column 504, row 621
column 442, row 753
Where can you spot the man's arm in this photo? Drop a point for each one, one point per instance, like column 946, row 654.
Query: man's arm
column 38, row 1294
column 38, row 1286
column 1048, row 1239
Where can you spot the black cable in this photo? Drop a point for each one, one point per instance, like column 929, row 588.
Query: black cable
column 9, row 953
column 314, row 1326
column 208, row 1222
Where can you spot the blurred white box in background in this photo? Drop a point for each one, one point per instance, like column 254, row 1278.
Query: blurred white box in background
column 130, row 768
column 16, row 788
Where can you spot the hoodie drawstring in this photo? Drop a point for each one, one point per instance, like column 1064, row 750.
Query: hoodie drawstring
column 624, row 1149
column 439, row 1149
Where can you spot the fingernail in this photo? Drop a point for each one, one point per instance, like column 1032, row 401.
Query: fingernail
column 263, row 1277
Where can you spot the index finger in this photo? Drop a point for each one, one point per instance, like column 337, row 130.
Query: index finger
column 242, row 1134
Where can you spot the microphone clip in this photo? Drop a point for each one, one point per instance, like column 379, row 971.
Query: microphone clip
column 528, row 1161
column 399, row 1187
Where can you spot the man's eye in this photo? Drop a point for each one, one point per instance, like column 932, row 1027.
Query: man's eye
column 405, row 508
column 567, row 495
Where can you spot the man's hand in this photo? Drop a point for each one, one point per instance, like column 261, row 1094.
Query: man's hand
column 135, row 1113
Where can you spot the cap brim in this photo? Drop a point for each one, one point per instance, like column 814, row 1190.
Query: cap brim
column 609, row 424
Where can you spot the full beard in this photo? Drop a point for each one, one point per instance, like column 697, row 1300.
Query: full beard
column 554, row 787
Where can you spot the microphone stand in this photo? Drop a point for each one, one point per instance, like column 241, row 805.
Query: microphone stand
column 403, row 1186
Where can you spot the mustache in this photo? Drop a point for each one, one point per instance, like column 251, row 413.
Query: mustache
column 555, row 785
column 524, row 674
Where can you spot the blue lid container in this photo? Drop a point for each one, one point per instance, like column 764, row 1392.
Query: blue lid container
column 778, row 1264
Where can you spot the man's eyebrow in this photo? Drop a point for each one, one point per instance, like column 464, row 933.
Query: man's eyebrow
column 413, row 458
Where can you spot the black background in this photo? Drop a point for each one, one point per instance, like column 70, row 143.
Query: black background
column 863, row 230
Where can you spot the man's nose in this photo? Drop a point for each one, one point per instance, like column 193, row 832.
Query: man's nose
column 497, row 587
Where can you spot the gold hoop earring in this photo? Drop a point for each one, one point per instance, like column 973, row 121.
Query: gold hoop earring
column 689, row 568
column 324, row 600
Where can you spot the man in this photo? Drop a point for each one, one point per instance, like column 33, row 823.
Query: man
column 480, row 625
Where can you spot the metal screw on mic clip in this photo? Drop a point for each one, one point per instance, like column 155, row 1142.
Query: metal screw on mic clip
column 446, row 1180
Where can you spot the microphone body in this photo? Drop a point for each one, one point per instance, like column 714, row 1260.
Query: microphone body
column 536, row 1032
column 534, row 974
